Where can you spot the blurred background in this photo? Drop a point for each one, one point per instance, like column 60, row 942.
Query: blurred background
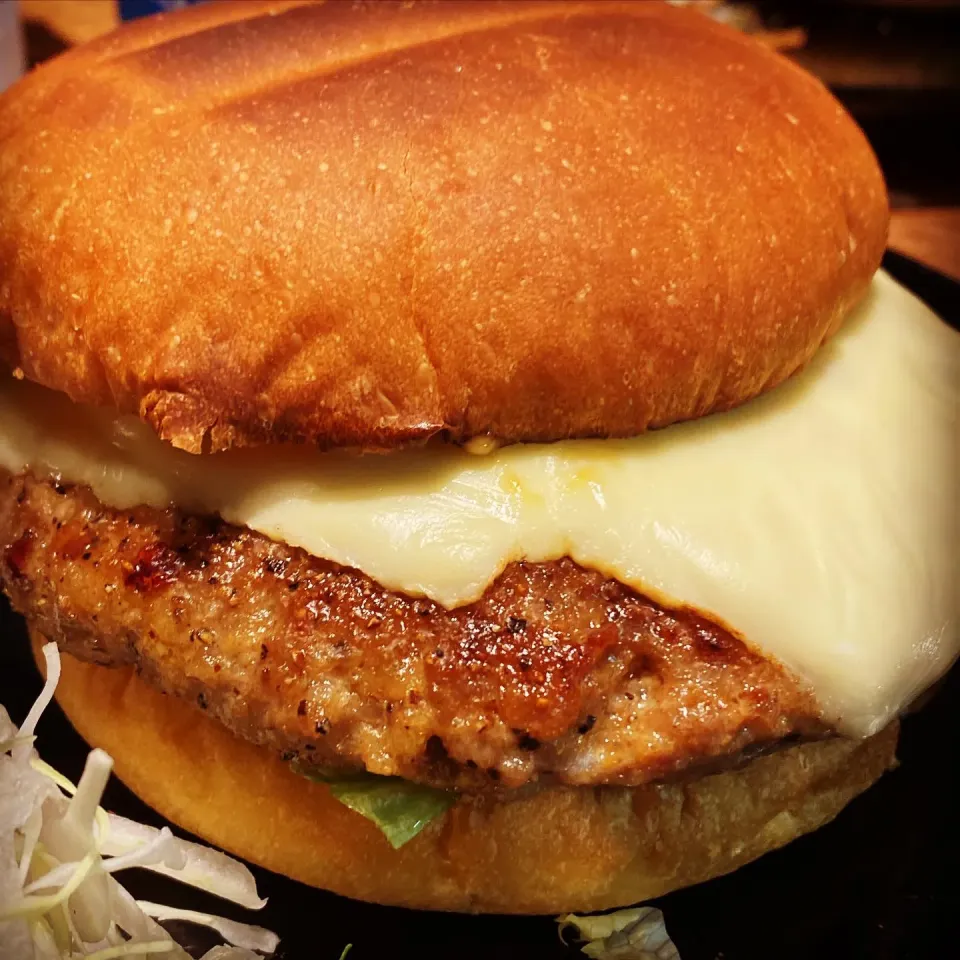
column 895, row 64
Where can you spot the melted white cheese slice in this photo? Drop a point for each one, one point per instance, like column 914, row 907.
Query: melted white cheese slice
column 820, row 522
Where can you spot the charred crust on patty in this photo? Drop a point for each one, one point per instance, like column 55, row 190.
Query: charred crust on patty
column 525, row 741
column 156, row 566
column 17, row 552
column 535, row 681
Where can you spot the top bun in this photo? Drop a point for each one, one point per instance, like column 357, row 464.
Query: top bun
column 366, row 225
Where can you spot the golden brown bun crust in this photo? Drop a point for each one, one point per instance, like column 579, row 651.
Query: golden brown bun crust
column 554, row 850
column 364, row 225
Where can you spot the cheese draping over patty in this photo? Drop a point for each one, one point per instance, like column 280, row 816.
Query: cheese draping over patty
column 819, row 522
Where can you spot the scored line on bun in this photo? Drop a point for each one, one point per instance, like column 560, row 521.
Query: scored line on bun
column 665, row 219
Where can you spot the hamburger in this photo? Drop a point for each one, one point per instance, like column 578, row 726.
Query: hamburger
column 468, row 449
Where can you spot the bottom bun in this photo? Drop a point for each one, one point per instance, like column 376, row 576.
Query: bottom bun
column 552, row 850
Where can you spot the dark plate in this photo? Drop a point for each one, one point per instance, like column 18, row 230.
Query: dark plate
column 879, row 882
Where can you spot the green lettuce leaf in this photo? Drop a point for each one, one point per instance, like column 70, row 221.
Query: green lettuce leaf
column 400, row 808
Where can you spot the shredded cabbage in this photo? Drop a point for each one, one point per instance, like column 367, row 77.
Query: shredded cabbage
column 132, row 949
column 202, row 867
column 51, row 656
column 239, row 934
column 59, row 851
column 637, row 933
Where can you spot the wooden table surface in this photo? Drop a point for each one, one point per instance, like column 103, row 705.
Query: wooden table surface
column 928, row 234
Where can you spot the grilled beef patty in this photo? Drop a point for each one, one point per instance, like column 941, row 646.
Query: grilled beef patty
column 556, row 674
